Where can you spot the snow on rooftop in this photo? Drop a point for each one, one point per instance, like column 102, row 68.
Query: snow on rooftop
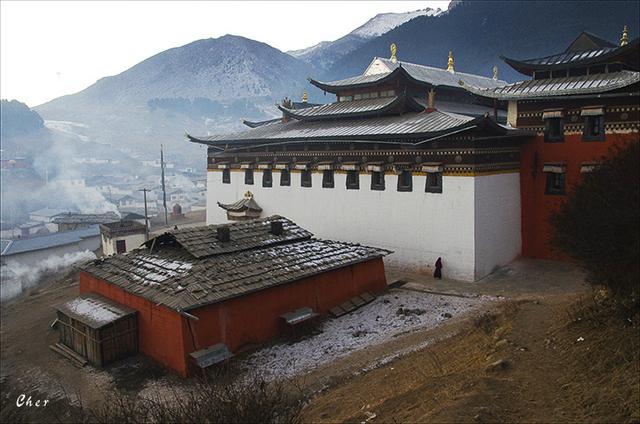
column 94, row 310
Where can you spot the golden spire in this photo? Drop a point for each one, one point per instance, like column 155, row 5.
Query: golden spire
column 431, row 100
column 394, row 50
column 305, row 96
column 625, row 36
column 248, row 195
column 450, row 62
column 495, row 72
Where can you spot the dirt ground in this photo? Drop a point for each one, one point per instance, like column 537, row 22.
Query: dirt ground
column 555, row 367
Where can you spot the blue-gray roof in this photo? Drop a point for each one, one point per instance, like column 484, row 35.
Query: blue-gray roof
column 12, row 247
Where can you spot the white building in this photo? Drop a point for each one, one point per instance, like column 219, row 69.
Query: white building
column 121, row 237
column 385, row 166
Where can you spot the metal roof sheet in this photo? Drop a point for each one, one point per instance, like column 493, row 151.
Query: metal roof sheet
column 49, row 240
column 347, row 107
column 423, row 73
column 583, row 84
column 398, row 125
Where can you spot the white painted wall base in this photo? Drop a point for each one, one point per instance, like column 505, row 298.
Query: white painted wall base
column 419, row 227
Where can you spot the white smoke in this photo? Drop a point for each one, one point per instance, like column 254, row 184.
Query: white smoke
column 16, row 277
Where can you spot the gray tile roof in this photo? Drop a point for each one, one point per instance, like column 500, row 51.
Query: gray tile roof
column 121, row 228
column 246, row 203
column 173, row 277
column 408, row 124
column 583, row 84
column 202, row 241
column 49, row 240
column 83, row 218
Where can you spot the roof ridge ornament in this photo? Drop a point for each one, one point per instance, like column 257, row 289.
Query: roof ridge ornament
column 305, row 96
column 450, row 62
column 431, row 97
column 495, row 72
column 248, row 195
column 394, row 50
column 625, row 36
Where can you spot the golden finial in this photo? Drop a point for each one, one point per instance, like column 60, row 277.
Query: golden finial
column 305, row 96
column 394, row 50
column 450, row 62
column 248, row 195
column 625, row 36
column 431, row 99
column 495, row 72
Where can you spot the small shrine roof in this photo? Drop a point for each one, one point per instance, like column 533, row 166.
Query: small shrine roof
column 246, row 203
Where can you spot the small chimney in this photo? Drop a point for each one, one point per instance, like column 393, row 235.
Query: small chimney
column 276, row 228
column 223, row 234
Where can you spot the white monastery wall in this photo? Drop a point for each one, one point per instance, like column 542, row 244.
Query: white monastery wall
column 419, row 227
column 498, row 237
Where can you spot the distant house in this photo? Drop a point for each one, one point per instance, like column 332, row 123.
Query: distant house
column 121, row 237
column 132, row 216
column 74, row 221
column 202, row 293
column 45, row 215
column 178, row 196
column 30, row 251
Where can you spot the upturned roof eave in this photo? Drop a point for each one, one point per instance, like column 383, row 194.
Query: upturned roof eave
column 526, row 67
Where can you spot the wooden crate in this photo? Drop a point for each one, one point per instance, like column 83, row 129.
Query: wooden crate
column 111, row 337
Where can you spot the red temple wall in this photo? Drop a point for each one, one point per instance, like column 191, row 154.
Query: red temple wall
column 537, row 206
column 168, row 337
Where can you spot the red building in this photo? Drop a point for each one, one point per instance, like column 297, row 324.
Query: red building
column 201, row 293
column 580, row 103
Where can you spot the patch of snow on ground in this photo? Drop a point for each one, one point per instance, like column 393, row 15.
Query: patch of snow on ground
column 375, row 323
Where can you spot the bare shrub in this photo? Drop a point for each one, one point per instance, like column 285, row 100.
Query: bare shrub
column 598, row 225
column 222, row 400
column 487, row 322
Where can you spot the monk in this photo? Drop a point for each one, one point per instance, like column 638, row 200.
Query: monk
column 438, row 272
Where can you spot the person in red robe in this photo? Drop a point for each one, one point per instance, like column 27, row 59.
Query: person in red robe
column 438, row 272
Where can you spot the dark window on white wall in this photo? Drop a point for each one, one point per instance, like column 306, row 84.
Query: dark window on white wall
column 593, row 128
column 248, row 176
column 267, row 178
column 285, row 177
column 553, row 130
column 226, row 176
column 377, row 180
column 327, row 178
column 305, row 178
column 405, row 180
column 555, row 183
column 434, row 182
column 353, row 180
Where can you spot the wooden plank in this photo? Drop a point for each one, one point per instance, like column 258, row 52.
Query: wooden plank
column 358, row 301
column 69, row 354
column 348, row 306
column 337, row 311
column 367, row 297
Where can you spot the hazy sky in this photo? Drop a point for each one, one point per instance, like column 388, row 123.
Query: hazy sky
column 49, row 49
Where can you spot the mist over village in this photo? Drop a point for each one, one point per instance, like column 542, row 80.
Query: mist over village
column 292, row 212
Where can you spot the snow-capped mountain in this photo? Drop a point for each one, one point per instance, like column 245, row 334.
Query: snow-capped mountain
column 205, row 86
column 325, row 53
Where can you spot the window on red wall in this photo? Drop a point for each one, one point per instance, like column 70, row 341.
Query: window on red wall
column 553, row 130
column 593, row 128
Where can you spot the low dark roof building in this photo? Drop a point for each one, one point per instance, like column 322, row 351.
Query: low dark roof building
column 245, row 208
column 230, row 283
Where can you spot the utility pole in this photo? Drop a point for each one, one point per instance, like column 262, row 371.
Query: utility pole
column 146, row 215
column 164, row 190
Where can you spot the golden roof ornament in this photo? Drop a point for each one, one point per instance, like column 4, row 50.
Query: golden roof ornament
column 495, row 72
column 450, row 62
column 248, row 195
column 305, row 96
column 394, row 50
column 625, row 36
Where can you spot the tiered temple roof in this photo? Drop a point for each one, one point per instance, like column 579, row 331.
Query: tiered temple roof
column 590, row 65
